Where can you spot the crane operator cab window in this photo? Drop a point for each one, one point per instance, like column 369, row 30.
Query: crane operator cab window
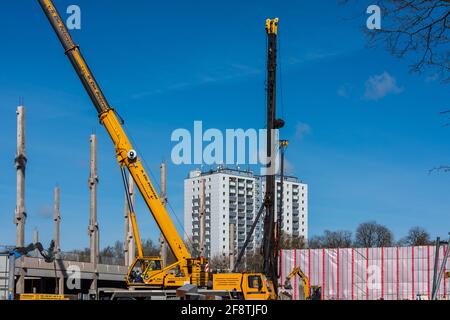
column 143, row 266
column 255, row 282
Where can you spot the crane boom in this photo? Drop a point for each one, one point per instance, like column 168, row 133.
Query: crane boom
column 126, row 156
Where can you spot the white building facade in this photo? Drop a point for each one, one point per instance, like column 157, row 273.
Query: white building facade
column 233, row 197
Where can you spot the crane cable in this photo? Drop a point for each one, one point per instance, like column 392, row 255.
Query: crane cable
column 155, row 181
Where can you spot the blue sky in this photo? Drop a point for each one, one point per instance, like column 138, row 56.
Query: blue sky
column 364, row 132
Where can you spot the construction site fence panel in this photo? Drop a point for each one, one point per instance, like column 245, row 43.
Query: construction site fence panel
column 400, row 273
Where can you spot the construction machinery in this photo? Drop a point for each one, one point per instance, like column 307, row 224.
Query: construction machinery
column 308, row 293
column 272, row 231
column 149, row 272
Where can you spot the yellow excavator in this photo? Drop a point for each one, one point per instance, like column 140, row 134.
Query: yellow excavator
column 309, row 292
column 149, row 272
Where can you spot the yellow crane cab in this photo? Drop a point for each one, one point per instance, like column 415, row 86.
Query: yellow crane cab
column 248, row 286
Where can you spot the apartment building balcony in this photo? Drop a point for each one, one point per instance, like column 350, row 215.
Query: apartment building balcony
column 232, row 183
column 295, row 206
column 232, row 198
column 232, row 190
column 233, row 206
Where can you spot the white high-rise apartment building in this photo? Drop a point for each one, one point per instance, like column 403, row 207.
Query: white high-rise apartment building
column 233, row 197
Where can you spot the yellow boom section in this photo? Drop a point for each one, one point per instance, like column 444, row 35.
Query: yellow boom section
column 126, row 156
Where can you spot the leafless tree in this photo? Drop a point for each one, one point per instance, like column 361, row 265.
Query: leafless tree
column 288, row 242
column 371, row 235
column 417, row 236
column 219, row 263
column 316, row 242
column 337, row 239
column 416, row 28
column 254, row 262
column 149, row 248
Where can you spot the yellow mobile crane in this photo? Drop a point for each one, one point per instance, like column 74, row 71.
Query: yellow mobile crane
column 148, row 272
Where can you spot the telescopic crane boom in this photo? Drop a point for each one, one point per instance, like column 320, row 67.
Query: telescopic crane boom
column 126, row 156
column 146, row 272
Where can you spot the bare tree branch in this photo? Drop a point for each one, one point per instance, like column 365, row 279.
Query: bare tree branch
column 416, row 28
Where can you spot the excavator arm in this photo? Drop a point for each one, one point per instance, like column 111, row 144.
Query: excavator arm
column 306, row 287
column 126, row 156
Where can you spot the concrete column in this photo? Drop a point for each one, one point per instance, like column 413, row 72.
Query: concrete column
column 21, row 162
column 93, row 229
column 129, row 244
column 202, row 219
column 61, row 286
column 57, row 239
column 56, row 225
column 162, row 240
column 20, row 214
column 232, row 239
column 11, row 280
column 36, row 240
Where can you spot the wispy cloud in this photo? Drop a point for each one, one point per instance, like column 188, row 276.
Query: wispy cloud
column 379, row 86
column 302, row 129
column 344, row 91
column 45, row 212
column 312, row 57
column 432, row 77
column 219, row 74
column 289, row 167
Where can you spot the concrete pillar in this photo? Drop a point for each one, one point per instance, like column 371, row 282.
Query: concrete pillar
column 61, row 286
column 11, row 279
column 162, row 240
column 93, row 229
column 36, row 240
column 232, row 239
column 20, row 215
column 56, row 224
column 202, row 219
column 129, row 244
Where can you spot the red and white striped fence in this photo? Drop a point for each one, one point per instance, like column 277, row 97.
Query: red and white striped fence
column 367, row 273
